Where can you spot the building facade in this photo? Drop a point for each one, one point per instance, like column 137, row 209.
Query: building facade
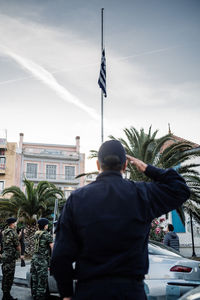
column 184, row 230
column 7, row 164
column 58, row 164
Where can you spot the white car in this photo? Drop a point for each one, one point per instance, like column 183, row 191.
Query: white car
column 192, row 295
column 170, row 274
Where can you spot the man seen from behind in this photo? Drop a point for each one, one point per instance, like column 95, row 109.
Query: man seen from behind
column 104, row 228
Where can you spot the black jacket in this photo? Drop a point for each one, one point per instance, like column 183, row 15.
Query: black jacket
column 104, row 226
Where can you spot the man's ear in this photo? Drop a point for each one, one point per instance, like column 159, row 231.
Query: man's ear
column 125, row 165
column 98, row 165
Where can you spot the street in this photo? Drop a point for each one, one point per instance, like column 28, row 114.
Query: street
column 24, row 293
column 20, row 292
column 19, row 288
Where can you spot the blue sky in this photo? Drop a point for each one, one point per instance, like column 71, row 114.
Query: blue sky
column 49, row 66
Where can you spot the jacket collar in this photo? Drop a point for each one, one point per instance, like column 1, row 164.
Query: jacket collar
column 108, row 173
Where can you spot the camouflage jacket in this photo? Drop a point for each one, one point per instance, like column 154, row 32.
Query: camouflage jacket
column 42, row 240
column 10, row 243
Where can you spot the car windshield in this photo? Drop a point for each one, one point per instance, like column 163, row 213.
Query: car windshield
column 156, row 248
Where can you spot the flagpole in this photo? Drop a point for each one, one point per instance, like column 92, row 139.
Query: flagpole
column 102, row 129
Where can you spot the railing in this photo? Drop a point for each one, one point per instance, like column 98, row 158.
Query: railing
column 50, row 177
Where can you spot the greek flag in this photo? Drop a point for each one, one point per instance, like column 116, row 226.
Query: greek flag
column 102, row 75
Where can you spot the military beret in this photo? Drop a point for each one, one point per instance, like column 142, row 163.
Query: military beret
column 43, row 221
column 112, row 148
column 11, row 221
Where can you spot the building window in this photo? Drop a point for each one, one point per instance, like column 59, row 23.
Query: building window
column 31, row 170
column 69, row 172
column 2, row 152
column 2, row 160
column 1, row 187
column 2, row 163
column 50, row 172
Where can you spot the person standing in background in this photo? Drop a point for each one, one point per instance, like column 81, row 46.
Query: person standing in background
column 1, row 247
column 0, row 241
column 11, row 252
column 40, row 260
column 21, row 233
column 171, row 239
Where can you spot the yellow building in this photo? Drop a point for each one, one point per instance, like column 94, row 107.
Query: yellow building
column 59, row 164
column 7, row 164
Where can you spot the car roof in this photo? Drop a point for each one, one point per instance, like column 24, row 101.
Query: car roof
column 157, row 248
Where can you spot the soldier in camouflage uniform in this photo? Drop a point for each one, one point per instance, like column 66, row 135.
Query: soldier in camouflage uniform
column 40, row 260
column 11, row 251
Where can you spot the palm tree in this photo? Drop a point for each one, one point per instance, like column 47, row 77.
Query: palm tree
column 36, row 202
column 32, row 204
column 144, row 147
column 154, row 151
column 192, row 205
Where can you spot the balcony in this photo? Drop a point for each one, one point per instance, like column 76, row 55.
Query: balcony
column 57, row 178
column 50, row 153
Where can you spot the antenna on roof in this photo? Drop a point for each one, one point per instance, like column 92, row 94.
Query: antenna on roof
column 169, row 131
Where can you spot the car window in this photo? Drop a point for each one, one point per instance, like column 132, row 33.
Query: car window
column 160, row 249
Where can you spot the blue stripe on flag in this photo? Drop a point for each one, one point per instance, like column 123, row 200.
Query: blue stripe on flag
column 102, row 75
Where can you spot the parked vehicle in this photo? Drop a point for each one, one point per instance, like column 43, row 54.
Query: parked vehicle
column 169, row 273
column 192, row 295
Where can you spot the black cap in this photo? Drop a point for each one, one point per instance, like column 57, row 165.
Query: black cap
column 43, row 221
column 112, row 148
column 11, row 221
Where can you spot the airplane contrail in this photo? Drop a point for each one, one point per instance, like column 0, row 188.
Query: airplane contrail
column 52, row 72
column 147, row 52
column 47, row 78
column 15, row 80
column 93, row 64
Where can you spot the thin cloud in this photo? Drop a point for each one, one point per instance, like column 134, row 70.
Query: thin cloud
column 47, row 78
column 92, row 64
column 53, row 72
column 15, row 80
column 148, row 52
